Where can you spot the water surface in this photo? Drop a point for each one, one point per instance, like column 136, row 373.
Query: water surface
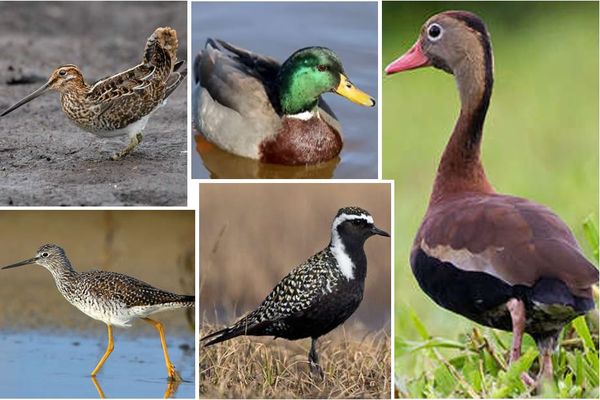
column 37, row 364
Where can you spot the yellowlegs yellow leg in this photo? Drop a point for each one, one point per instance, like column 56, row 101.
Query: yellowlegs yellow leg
column 109, row 349
column 173, row 375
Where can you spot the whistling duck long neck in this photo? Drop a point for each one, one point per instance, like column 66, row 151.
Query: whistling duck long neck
column 460, row 169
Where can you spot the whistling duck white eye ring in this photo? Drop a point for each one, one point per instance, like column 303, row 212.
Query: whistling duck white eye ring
column 435, row 32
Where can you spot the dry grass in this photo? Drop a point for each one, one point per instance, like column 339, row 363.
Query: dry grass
column 356, row 365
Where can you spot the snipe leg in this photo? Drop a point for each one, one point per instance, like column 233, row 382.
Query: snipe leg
column 109, row 349
column 313, row 360
column 135, row 140
column 516, row 308
column 173, row 375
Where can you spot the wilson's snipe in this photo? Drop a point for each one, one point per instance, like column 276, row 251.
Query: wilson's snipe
column 120, row 104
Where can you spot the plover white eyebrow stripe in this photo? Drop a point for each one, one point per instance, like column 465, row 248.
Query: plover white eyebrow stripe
column 349, row 217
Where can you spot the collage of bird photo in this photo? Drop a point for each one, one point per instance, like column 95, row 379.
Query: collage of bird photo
column 299, row 199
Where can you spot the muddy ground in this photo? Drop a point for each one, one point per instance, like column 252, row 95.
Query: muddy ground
column 45, row 160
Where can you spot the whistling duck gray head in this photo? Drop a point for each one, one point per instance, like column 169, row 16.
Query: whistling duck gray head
column 457, row 42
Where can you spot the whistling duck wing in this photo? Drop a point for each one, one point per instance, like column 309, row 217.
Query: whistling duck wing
column 509, row 238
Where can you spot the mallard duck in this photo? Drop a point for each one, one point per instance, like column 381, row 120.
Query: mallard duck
column 120, row 104
column 252, row 106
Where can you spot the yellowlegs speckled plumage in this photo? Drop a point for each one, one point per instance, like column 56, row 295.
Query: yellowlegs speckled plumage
column 110, row 297
column 120, row 104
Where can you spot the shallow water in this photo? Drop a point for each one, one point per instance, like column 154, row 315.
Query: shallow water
column 277, row 30
column 58, row 365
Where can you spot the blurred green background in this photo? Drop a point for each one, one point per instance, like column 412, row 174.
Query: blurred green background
column 540, row 136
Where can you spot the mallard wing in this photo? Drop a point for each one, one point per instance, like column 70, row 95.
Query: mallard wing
column 235, row 107
column 236, row 78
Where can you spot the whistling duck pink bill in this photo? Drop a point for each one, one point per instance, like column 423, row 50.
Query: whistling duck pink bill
column 413, row 58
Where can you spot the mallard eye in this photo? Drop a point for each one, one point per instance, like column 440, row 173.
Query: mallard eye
column 435, row 32
column 62, row 72
column 322, row 67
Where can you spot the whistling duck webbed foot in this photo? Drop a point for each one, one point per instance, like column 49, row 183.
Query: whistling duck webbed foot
column 313, row 360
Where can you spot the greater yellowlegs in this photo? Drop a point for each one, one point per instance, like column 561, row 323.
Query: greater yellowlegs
column 110, row 297
column 120, row 104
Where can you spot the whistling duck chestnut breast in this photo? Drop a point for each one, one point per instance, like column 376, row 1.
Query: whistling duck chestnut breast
column 499, row 260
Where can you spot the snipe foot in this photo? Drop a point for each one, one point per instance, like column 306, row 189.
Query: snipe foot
column 137, row 139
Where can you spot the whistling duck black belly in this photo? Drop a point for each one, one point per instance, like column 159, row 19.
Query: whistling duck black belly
column 481, row 297
column 468, row 261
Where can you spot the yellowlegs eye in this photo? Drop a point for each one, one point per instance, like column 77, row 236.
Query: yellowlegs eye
column 44, row 254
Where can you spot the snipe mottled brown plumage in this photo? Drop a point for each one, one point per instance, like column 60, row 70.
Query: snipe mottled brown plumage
column 120, row 104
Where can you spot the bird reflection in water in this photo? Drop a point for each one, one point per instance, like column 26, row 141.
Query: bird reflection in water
column 224, row 165
column 170, row 391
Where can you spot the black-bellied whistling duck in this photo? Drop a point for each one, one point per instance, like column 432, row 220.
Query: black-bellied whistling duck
column 501, row 261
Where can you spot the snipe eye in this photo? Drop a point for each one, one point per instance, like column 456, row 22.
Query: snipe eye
column 322, row 67
column 435, row 32
column 45, row 254
column 62, row 72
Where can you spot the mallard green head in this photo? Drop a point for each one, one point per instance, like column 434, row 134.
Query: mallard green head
column 310, row 72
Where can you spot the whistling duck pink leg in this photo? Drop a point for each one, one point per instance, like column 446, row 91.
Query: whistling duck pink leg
column 516, row 308
column 517, row 314
column 546, row 347
column 546, row 370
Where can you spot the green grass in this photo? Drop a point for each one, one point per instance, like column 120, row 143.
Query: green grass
column 540, row 142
